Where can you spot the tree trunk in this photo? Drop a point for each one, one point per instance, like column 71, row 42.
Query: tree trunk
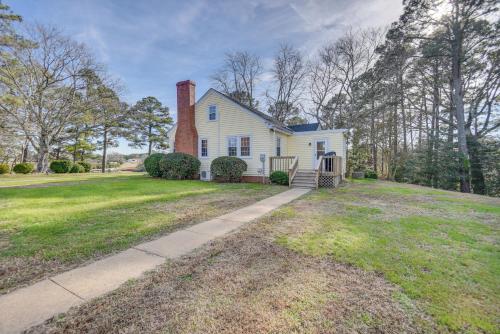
column 24, row 155
column 372, row 137
column 104, row 150
column 456, row 62
column 403, row 113
column 450, row 119
column 42, row 163
column 74, row 149
column 476, row 166
column 150, row 141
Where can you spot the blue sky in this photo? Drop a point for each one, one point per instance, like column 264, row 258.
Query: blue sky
column 150, row 45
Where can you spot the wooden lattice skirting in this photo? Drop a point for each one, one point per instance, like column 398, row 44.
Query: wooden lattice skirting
column 329, row 181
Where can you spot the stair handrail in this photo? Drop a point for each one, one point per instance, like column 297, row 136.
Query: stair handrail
column 292, row 170
column 317, row 170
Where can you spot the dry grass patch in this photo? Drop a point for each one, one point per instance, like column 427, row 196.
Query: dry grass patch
column 246, row 283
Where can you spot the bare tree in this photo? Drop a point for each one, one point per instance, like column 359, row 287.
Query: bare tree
column 239, row 76
column 42, row 85
column 289, row 72
column 322, row 81
column 332, row 76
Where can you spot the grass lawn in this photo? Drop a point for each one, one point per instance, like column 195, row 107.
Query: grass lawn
column 46, row 229
column 441, row 247
column 39, row 180
column 370, row 257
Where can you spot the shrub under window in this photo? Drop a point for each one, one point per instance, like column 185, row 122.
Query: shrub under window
column 23, row 168
column 179, row 166
column 228, row 169
column 152, row 164
column 61, row 166
column 279, row 177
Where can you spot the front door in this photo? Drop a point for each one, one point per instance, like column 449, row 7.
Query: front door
column 319, row 149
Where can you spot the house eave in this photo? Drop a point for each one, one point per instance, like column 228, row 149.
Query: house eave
column 328, row 131
column 278, row 129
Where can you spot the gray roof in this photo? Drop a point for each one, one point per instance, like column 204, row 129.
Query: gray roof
column 304, row 127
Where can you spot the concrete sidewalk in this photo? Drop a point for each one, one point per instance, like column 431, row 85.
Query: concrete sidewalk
column 34, row 304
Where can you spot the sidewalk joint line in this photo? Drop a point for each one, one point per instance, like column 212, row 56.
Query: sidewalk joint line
column 199, row 233
column 148, row 252
column 74, row 294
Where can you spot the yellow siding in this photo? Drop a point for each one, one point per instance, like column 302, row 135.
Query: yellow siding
column 232, row 120
column 298, row 144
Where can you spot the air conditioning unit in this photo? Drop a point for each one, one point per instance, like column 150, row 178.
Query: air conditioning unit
column 205, row 175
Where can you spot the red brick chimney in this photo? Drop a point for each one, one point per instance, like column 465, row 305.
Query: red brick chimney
column 186, row 136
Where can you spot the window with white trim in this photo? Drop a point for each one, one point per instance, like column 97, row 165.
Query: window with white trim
column 212, row 113
column 245, row 146
column 278, row 146
column 204, row 147
column 232, row 146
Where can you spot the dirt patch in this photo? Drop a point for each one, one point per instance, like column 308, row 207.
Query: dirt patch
column 246, row 283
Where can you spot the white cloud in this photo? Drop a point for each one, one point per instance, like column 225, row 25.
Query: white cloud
column 92, row 37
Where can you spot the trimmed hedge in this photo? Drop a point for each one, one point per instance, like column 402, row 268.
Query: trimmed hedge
column 370, row 174
column 76, row 168
column 4, row 169
column 152, row 164
column 228, row 169
column 179, row 166
column 86, row 165
column 279, row 177
column 61, row 166
column 23, row 168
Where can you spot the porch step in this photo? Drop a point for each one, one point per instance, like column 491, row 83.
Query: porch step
column 303, row 185
column 304, row 178
column 307, row 171
column 305, row 174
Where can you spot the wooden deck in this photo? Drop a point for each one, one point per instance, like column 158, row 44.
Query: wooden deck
column 327, row 172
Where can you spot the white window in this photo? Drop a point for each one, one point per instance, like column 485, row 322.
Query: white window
column 212, row 113
column 238, row 146
column 204, row 147
column 278, row 146
column 232, row 146
column 245, row 146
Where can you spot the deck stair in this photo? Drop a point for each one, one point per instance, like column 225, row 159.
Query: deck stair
column 304, row 178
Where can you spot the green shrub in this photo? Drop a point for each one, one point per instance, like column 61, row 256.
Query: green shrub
column 23, row 168
column 178, row 166
column 76, row 168
column 61, row 166
column 370, row 174
column 228, row 169
column 4, row 169
column 279, row 177
column 86, row 166
column 152, row 164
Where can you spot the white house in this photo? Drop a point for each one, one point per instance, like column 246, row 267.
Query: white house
column 217, row 125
